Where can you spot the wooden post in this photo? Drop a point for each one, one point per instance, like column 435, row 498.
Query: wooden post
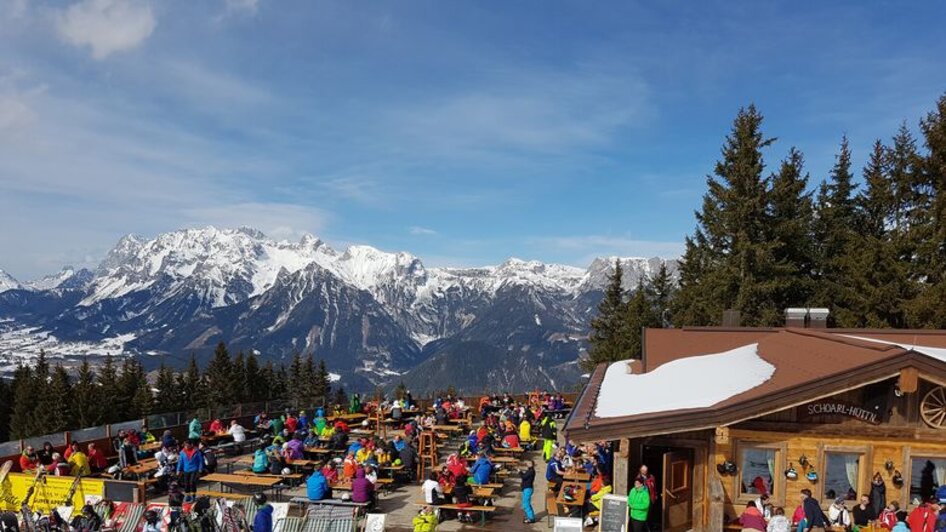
column 717, row 505
column 621, row 466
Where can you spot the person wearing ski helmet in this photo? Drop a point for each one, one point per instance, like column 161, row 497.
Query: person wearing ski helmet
column 263, row 522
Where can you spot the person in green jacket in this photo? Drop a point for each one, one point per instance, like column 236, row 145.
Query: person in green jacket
column 194, row 430
column 354, row 406
column 638, row 500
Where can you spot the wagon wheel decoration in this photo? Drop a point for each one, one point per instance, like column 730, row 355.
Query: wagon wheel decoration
column 933, row 408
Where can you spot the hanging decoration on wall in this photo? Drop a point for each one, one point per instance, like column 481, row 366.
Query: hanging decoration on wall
column 897, row 479
column 728, row 467
column 812, row 475
column 791, row 473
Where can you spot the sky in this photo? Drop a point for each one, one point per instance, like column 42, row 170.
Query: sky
column 463, row 132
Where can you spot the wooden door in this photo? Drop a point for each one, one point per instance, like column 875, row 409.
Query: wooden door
column 677, row 491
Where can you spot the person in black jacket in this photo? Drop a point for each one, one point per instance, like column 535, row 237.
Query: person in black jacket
column 408, row 456
column 527, row 476
column 864, row 512
column 814, row 515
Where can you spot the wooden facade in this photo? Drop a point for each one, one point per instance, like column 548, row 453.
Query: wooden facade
column 886, row 418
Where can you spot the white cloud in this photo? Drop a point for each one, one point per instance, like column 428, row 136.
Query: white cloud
column 245, row 6
column 106, row 26
column 417, row 230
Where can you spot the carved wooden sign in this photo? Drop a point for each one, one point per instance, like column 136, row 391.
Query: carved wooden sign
column 837, row 408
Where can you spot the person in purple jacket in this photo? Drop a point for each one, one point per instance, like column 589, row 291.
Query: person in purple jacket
column 362, row 490
column 752, row 518
column 295, row 448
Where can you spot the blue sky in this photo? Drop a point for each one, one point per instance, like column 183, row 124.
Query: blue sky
column 464, row 132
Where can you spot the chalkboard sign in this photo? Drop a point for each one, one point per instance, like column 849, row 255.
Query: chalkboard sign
column 613, row 516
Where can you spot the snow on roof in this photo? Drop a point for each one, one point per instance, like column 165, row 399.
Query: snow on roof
column 692, row 382
column 939, row 353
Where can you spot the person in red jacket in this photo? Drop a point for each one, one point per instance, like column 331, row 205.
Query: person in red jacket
column 97, row 459
column 923, row 517
column 29, row 459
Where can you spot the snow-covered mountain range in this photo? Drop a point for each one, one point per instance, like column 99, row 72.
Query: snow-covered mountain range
column 374, row 316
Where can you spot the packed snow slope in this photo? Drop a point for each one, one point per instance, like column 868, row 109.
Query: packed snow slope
column 375, row 317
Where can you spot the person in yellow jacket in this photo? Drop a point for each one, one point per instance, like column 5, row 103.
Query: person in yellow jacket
column 425, row 520
column 363, row 455
column 598, row 495
column 80, row 463
column 525, row 433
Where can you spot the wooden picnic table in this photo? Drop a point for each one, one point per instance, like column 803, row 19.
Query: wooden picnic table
column 143, row 467
column 151, row 446
column 322, row 450
column 254, row 482
column 579, row 476
column 448, row 428
column 512, row 450
column 496, row 459
column 580, row 493
column 348, row 417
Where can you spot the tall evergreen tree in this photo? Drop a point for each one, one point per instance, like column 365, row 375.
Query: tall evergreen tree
column 56, row 402
column 323, row 385
column 790, row 227
column 25, row 395
column 168, row 396
column 86, row 405
column 730, row 262
column 219, row 378
column 609, row 338
column 129, row 382
column 191, row 386
column 240, row 391
column 638, row 314
column 662, row 290
column 878, row 279
column 108, row 394
column 6, row 408
column 928, row 310
column 255, row 381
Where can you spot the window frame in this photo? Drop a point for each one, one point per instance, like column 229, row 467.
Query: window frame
column 777, row 497
column 908, row 455
column 865, row 453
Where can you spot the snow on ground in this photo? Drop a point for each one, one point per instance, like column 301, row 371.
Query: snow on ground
column 24, row 345
column 939, row 353
column 692, row 382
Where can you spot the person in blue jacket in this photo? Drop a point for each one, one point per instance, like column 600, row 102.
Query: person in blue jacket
column 263, row 522
column 194, row 429
column 190, row 463
column 481, row 470
column 316, row 487
column 260, row 461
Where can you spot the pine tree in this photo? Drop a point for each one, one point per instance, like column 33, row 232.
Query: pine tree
column 6, row 408
column 25, row 395
column 56, row 403
column 255, row 382
column 239, row 385
column 142, row 401
column 638, row 314
column 191, row 386
column 269, row 385
column 927, row 310
column 294, row 384
column 729, row 262
column 129, row 382
column 341, row 398
column 108, row 394
column 168, row 396
column 790, row 227
column 86, row 405
column 323, row 385
column 609, row 338
column 662, row 290
column 219, row 378
column 400, row 391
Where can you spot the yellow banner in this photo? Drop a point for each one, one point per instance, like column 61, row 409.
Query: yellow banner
column 49, row 491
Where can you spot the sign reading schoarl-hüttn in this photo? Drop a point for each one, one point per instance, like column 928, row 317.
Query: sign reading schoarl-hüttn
column 833, row 407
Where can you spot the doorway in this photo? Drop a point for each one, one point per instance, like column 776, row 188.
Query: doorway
column 672, row 468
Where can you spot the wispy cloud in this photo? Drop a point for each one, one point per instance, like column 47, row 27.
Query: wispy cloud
column 417, row 230
column 243, row 6
column 106, row 26
column 278, row 220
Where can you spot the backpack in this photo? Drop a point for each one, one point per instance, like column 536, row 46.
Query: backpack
column 260, row 462
column 210, row 460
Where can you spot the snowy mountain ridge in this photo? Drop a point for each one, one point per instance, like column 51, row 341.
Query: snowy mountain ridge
column 372, row 314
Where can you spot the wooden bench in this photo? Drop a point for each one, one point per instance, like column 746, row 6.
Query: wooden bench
column 483, row 510
column 359, row 507
column 221, row 495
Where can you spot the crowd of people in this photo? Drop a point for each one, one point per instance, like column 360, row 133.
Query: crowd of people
column 927, row 516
